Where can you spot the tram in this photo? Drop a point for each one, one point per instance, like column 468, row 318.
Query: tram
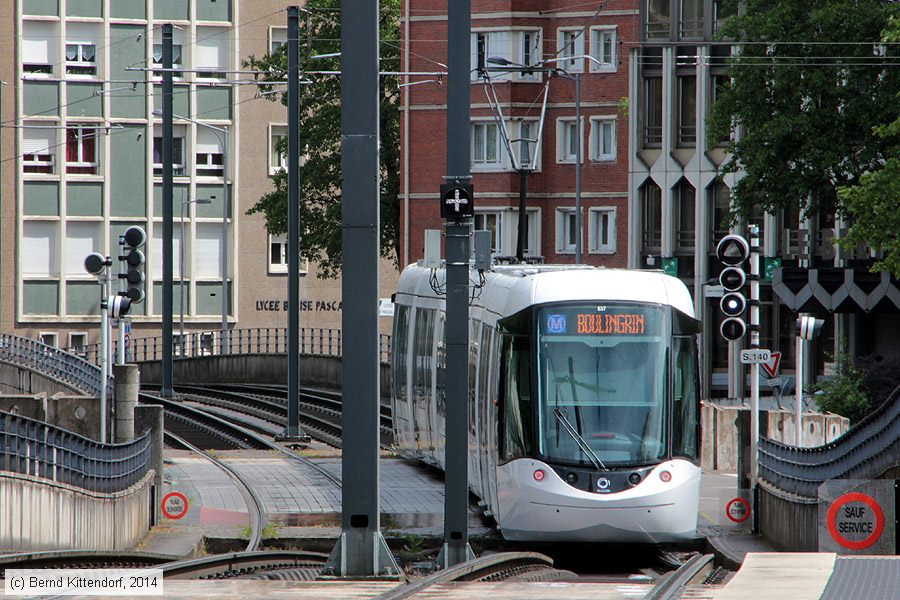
column 583, row 398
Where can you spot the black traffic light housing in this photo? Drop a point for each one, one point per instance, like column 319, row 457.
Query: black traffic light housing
column 733, row 251
column 132, row 241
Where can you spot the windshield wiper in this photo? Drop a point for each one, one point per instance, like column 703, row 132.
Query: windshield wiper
column 598, row 464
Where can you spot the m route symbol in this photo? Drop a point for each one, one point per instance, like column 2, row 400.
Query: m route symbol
column 174, row 505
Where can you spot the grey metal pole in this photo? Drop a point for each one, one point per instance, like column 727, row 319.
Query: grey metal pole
column 798, row 390
column 578, row 224
column 104, row 345
column 456, row 488
column 361, row 550
column 293, row 108
column 754, row 368
column 225, row 343
column 181, row 283
column 120, row 348
column 523, row 195
column 167, row 189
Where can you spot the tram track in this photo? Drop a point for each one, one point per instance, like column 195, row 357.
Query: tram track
column 263, row 408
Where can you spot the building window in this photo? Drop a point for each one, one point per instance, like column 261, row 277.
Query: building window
column 38, row 47
column 692, row 18
column 485, row 145
column 685, row 203
column 277, row 140
column 722, row 11
column 719, row 81
column 176, row 59
column 523, row 47
column 652, row 112
column 529, row 52
column 566, row 230
column 527, row 142
column 603, row 49
column 491, row 221
column 651, row 218
column 78, row 344
column 211, row 52
column 49, row 339
column 277, row 39
column 209, row 157
column 81, row 58
column 567, row 140
column 177, row 156
column 687, row 111
column 719, row 209
column 278, row 255
column 571, row 44
column 38, row 150
column 658, row 14
column 603, row 139
column 602, row 230
column 81, row 150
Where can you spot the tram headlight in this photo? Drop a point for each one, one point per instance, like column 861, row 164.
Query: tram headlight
column 665, row 476
column 572, row 478
column 634, row 478
column 539, row 475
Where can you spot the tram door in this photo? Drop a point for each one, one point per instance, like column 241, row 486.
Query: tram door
column 487, row 392
column 423, row 370
column 475, row 481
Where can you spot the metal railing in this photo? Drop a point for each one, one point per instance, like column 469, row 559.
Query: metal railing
column 867, row 450
column 63, row 366
column 313, row 340
column 35, row 448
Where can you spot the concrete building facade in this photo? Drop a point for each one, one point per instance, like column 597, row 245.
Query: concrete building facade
column 81, row 147
column 548, row 34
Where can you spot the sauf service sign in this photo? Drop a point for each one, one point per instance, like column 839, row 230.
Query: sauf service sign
column 856, row 516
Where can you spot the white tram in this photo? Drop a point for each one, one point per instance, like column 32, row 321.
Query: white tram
column 583, row 399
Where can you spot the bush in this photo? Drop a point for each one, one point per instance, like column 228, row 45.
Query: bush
column 846, row 393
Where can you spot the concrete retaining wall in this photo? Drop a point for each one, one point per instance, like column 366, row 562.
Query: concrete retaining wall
column 79, row 414
column 789, row 523
column 38, row 514
column 720, row 435
column 315, row 371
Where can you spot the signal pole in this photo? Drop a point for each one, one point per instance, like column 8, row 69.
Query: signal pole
column 456, row 491
column 167, row 216
column 754, row 370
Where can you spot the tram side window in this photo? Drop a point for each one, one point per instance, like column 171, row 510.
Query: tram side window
column 474, row 332
column 422, row 352
column 516, row 410
column 398, row 355
column 441, row 363
column 685, row 401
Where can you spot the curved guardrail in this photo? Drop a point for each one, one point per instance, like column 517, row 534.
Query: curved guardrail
column 867, row 450
column 53, row 362
column 35, row 448
column 265, row 340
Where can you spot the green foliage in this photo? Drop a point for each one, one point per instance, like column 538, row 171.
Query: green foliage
column 807, row 93
column 320, row 136
column 845, row 393
column 872, row 204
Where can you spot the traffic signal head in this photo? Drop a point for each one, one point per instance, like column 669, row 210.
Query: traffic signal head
column 132, row 240
column 809, row 327
column 118, row 306
column 94, row 263
column 733, row 329
column 733, row 304
column 732, row 250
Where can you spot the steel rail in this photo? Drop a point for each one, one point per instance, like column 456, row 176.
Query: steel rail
column 241, row 563
column 254, row 503
column 89, row 559
column 478, row 569
column 672, row 586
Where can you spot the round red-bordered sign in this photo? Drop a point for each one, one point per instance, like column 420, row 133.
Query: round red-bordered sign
column 184, row 503
column 832, row 520
column 734, row 503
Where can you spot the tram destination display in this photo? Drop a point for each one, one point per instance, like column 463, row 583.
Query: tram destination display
column 602, row 320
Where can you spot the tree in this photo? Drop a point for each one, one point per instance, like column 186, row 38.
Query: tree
column 873, row 203
column 320, row 135
column 808, row 89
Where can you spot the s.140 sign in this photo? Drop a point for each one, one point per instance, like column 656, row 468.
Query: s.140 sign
column 756, row 356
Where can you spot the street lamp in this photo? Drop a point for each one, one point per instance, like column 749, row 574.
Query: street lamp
column 225, row 200
column 184, row 202
column 541, row 66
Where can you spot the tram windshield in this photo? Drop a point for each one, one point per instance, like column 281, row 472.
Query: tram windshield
column 602, row 383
